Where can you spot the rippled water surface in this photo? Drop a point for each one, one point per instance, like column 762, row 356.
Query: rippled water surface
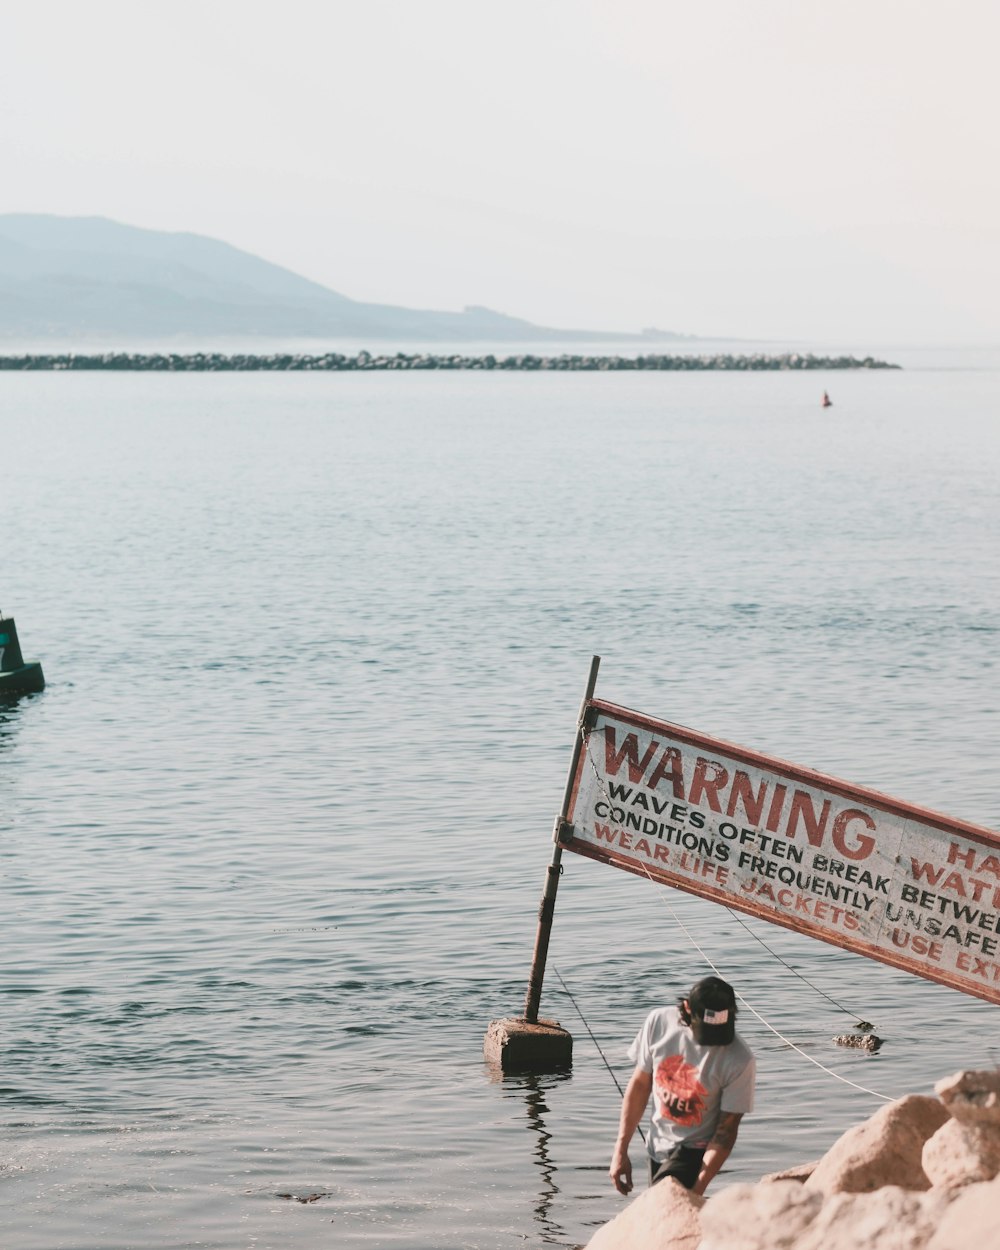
column 273, row 837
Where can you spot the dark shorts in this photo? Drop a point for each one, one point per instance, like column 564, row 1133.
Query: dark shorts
column 683, row 1163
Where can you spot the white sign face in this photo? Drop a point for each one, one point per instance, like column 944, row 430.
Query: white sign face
column 847, row 865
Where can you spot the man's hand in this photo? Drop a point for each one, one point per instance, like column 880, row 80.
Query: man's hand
column 633, row 1107
column 621, row 1171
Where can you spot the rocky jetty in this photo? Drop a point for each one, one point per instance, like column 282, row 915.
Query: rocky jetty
column 921, row 1174
column 217, row 362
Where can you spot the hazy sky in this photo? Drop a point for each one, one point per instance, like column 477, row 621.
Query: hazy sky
column 735, row 167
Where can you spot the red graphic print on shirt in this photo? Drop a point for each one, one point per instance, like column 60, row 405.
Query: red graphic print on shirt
column 680, row 1094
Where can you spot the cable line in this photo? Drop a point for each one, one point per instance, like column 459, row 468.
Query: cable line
column 753, row 1010
column 593, row 1039
column 861, row 1024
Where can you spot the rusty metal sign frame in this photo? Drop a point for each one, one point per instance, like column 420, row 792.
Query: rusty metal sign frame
column 874, row 875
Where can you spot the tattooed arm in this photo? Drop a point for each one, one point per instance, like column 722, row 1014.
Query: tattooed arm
column 719, row 1149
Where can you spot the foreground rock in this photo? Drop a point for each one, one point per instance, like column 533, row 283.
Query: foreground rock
column 797, row 1218
column 885, row 1150
column 967, row 1149
column 662, row 1218
column 920, row 1174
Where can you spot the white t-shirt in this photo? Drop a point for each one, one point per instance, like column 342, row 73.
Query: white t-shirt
column 692, row 1084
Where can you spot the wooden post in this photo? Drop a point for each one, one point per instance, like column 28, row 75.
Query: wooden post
column 548, row 904
column 525, row 1043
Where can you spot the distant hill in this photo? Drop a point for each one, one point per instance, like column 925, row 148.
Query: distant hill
column 92, row 279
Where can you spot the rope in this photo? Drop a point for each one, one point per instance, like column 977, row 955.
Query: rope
column 862, row 1024
column 593, row 1039
column 829, row 1071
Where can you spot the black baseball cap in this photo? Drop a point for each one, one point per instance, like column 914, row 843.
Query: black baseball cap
column 712, row 1004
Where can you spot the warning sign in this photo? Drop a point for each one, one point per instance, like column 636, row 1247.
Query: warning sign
column 874, row 875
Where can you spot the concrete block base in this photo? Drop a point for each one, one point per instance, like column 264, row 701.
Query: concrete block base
column 517, row 1046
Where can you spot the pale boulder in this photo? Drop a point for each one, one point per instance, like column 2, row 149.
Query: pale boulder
column 758, row 1217
column 800, row 1172
column 970, row 1222
column 889, row 1219
column 885, row 1150
column 962, row 1153
column 664, row 1217
column 972, row 1097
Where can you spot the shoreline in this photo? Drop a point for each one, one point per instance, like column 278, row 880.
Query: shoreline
column 363, row 361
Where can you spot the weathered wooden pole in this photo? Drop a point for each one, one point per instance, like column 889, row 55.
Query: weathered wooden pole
column 526, row 1043
column 548, row 904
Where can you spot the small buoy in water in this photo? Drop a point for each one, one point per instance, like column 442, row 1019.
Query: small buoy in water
column 16, row 677
column 827, row 401
column 859, row 1041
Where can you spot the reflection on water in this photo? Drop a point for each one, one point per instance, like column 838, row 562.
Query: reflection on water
column 12, row 710
column 534, row 1089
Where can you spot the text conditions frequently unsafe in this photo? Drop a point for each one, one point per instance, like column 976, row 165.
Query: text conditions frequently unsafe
column 841, row 863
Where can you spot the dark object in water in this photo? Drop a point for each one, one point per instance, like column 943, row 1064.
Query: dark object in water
column 859, row 1041
column 314, row 1197
column 16, row 677
column 515, row 1045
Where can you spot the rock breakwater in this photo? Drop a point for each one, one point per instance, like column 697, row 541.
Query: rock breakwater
column 333, row 362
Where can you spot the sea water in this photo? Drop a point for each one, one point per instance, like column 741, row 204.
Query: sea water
column 274, row 836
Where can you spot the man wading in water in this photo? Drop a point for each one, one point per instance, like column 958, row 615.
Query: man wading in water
column 701, row 1075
